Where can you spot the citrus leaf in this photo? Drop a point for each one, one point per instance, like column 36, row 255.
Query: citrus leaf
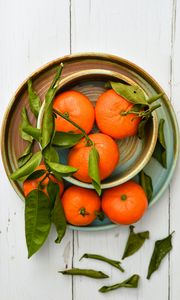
column 59, row 220
column 85, row 272
column 160, row 149
column 57, row 175
column 134, row 242
column 50, row 154
column 34, row 100
column 26, row 155
column 61, row 170
column 48, row 118
column 146, row 183
column 24, row 122
column 28, row 168
column 66, row 139
column 131, row 282
column 37, row 220
column 93, row 169
column 161, row 249
column 132, row 93
column 32, row 131
column 114, row 263
column 36, row 174
column 53, row 190
column 100, row 215
column 142, row 129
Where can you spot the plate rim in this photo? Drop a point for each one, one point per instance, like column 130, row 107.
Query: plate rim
column 117, row 59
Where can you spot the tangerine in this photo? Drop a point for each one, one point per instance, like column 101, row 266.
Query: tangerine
column 109, row 119
column 125, row 204
column 108, row 156
column 78, row 108
column 80, row 205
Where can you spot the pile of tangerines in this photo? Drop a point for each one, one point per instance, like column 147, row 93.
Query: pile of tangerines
column 123, row 204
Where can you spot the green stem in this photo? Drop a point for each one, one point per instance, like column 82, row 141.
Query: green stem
column 65, row 117
column 142, row 113
column 155, row 107
column 154, row 98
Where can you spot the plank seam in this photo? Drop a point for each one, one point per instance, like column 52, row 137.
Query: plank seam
column 173, row 33
column 70, row 50
column 70, row 26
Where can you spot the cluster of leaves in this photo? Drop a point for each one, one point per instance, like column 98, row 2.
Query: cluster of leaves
column 41, row 209
column 133, row 244
column 45, row 136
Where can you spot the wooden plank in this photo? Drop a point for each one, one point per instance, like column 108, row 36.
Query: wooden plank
column 174, row 189
column 141, row 32
column 32, row 33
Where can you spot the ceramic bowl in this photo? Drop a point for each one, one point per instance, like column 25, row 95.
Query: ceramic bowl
column 134, row 153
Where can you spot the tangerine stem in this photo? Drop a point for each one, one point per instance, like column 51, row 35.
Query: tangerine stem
column 65, row 117
column 123, row 197
column 83, row 212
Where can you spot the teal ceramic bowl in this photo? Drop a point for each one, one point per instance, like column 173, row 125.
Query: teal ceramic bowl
column 12, row 145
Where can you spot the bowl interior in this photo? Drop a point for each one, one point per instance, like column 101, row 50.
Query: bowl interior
column 134, row 153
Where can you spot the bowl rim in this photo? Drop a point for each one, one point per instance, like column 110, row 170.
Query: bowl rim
column 102, row 72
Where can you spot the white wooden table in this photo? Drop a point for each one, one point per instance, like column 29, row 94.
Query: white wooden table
column 33, row 33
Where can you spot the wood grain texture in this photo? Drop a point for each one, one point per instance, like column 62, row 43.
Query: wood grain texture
column 32, row 33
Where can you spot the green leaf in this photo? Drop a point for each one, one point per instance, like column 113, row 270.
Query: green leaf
column 93, row 169
column 154, row 98
column 114, row 263
column 100, row 215
column 146, row 183
column 142, row 129
column 57, row 175
column 50, row 154
column 85, row 272
column 28, row 168
column 161, row 249
column 37, row 220
column 53, row 190
column 61, row 170
column 132, row 93
column 34, row 100
column 131, row 282
column 32, row 131
column 134, row 242
column 59, row 219
column 24, row 123
column 26, row 155
column 160, row 149
column 66, row 139
column 48, row 126
column 36, row 174
column 48, row 118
